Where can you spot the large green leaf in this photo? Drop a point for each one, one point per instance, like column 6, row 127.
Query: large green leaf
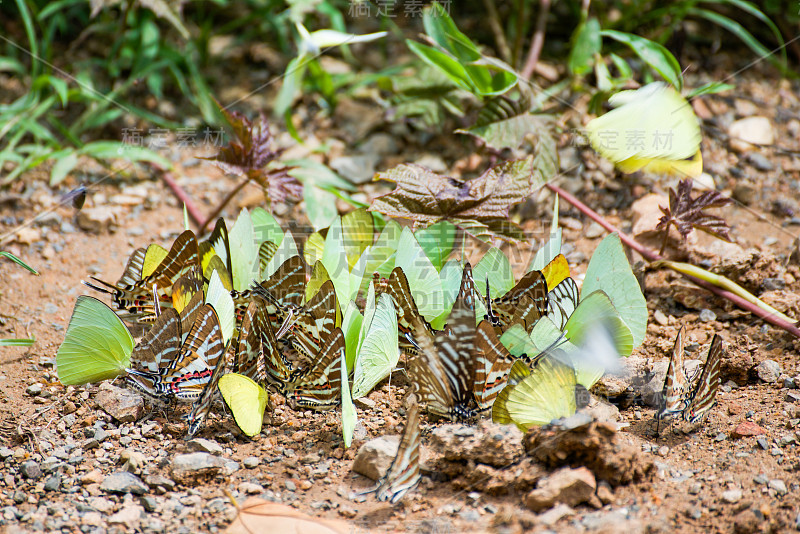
column 495, row 266
column 652, row 53
column 426, row 287
column 437, row 242
column 586, row 43
column 610, row 272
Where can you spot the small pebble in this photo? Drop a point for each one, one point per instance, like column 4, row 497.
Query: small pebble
column 707, row 315
column 251, row 462
column 778, row 485
column 731, row 496
column 663, row 451
column 291, row 486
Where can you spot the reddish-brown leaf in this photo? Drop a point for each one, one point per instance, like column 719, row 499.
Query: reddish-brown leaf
column 685, row 212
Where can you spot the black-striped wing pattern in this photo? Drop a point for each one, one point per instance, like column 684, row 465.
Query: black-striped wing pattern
column 443, row 370
column 704, row 396
column 404, row 473
column 674, row 392
column 408, row 317
column 492, row 366
column 318, row 387
column 523, row 304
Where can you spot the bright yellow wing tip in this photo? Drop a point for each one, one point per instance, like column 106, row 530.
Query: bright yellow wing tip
column 689, row 168
column 556, row 271
column 247, row 401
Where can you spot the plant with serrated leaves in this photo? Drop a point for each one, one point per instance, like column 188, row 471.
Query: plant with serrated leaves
column 686, row 213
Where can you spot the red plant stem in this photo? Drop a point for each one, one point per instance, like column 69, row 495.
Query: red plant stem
column 653, row 256
column 222, row 205
column 183, row 196
column 538, row 40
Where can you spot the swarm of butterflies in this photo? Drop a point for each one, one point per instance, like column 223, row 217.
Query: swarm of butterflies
column 242, row 313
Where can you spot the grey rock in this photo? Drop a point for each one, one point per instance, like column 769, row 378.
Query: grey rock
column 187, row 468
column 731, row 496
column 375, row 456
column 205, row 445
column 97, row 219
column 251, row 462
column 470, row 515
column 768, row 371
column 229, row 467
column 31, row 469
column 50, row 308
column 759, row 161
column 5, row 452
column 760, row 479
column 149, row 503
column 489, row 443
column 566, row 485
column 358, row 169
column 124, row 405
column 762, row 443
column 100, row 434
column 792, row 396
column 707, row 315
column 123, row 482
column 773, row 284
column 129, row 516
column 53, row 483
column 34, row 389
column 289, row 485
column 778, row 485
column 787, row 439
column 159, row 481
column 380, row 144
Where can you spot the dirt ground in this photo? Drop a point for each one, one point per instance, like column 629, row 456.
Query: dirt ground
column 705, row 481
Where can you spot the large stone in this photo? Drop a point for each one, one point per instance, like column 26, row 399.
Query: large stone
column 375, row 456
column 188, row 468
column 746, row 429
column 768, row 371
column 128, row 516
column 31, row 469
column 751, row 131
column 489, row 443
column 567, row 486
column 123, row 482
column 98, row 219
column 124, row 405
column 205, row 445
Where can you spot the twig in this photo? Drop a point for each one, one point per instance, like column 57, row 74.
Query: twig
column 538, row 40
column 497, row 29
column 183, row 196
column 517, row 50
column 653, row 256
column 222, row 205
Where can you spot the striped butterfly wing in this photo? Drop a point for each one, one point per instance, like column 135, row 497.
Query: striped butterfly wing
column 319, row 386
column 443, row 371
column 408, row 317
column 202, row 406
column 314, row 322
column 257, row 355
column 133, row 269
column 218, row 244
column 523, row 304
column 200, row 354
column 160, row 345
column 182, row 259
column 673, row 394
column 492, row 366
column 404, row 473
column 704, row 396
column 284, row 291
column 562, row 301
column 266, row 251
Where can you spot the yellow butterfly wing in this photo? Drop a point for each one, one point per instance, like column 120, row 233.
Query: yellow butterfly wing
column 247, row 401
column 547, row 394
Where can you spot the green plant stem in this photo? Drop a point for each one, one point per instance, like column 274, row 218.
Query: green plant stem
column 538, row 40
column 759, row 310
column 497, row 29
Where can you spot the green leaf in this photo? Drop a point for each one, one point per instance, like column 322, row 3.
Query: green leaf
column 426, row 287
column 753, row 10
column 118, row 150
column 440, row 27
column 349, row 416
column 495, row 266
column 552, row 248
column 610, row 272
column 18, row 261
column 320, row 206
column 437, row 242
column 378, row 350
column 454, row 70
column 510, row 132
column 710, row 88
column 334, row 258
column 586, row 42
column 292, row 83
column 313, row 172
column 652, row 53
column 351, row 328
column 14, row 342
column 358, row 229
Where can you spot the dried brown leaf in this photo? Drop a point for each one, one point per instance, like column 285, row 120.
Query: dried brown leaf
column 480, row 205
column 685, row 212
column 264, row 517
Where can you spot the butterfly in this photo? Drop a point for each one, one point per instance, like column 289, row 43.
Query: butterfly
column 653, row 112
column 312, row 324
column 318, row 386
column 247, row 401
column 404, row 472
column 257, row 355
column 537, row 396
column 283, row 293
column 676, row 398
column 492, row 366
column 185, row 377
column 524, row 304
column 148, row 269
column 442, row 370
column 562, row 301
column 409, row 318
column 97, row 344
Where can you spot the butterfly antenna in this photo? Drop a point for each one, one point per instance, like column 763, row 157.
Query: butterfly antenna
column 100, row 289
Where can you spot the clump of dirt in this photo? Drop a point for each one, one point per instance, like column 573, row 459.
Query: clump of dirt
column 594, row 445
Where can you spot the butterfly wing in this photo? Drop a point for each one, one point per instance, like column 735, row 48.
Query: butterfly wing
column 562, row 301
column 97, row 345
column 519, row 372
column 247, row 401
column 524, row 304
column 160, row 345
column 319, row 386
column 547, row 394
column 492, row 367
column 705, row 394
column 673, row 394
column 404, row 473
